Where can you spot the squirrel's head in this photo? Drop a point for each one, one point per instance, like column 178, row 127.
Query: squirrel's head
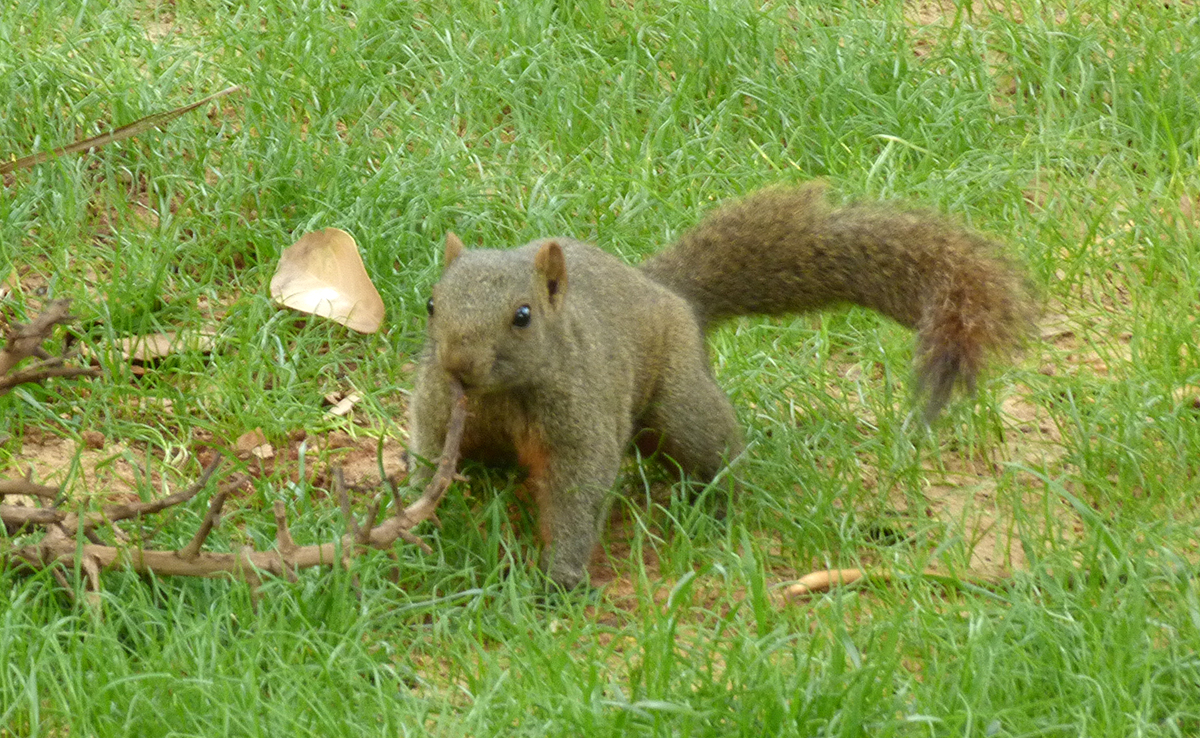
column 493, row 312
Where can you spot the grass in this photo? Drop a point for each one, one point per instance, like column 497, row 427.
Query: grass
column 1071, row 134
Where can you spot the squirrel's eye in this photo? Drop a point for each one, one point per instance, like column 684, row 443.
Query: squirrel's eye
column 522, row 316
column 429, row 306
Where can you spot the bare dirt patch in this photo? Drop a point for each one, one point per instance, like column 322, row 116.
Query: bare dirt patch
column 989, row 525
column 91, row 468
column 95, row 469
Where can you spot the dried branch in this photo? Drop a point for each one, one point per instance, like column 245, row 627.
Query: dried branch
column 59, row 544
column 18, row 517
column 362, row 537
column 45, row 370
column 283, row 537
column 124, row 511
column 339, row 490
column 91, row 569
column 142, row 125
column 426, row 505
column 27, row 488
column 15, row 517
column 211, row 518
column 25, row 341
column 826, row 580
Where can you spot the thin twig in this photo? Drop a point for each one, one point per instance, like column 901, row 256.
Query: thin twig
column 60, row 543
column 123, row 511
column 395, row 487
column 211, row 518
column 18, row 516
column 130, row 130
column 413, row 539
column 827, row 579
column 283, row 537
column 25, row 340
column 34, row 375
column 423, row 508
column 27, row 488
column 91, row 569
column 339, row 488
column 62, row 581
column 363, row 537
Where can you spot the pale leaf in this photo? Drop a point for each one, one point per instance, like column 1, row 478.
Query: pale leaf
column 159, row 345
column 345, row 405
column 249, row 440
column 323, row 274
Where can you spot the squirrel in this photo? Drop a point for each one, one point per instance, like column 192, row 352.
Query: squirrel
column 566, row 353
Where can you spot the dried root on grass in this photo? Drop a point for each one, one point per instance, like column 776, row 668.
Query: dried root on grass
column 60, row 546
column 25, row 341
column 826, row 580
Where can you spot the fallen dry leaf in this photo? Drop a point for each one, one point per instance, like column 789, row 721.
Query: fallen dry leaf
column 345, row 405
column 323, row 274
column 249, row 440
column 160, row 345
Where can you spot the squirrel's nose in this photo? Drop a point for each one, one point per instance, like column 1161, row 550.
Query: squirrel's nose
column 457, row 361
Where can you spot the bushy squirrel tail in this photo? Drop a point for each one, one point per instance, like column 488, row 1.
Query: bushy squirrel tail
column 787, row 251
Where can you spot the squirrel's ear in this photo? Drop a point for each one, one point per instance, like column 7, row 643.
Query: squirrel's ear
column 454, row 247
column 551, row 266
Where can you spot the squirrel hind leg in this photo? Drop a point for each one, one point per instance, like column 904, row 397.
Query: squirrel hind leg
column 698, row 455
column 693, row 424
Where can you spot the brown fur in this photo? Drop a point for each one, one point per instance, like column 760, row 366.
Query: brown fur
column 567, row 354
